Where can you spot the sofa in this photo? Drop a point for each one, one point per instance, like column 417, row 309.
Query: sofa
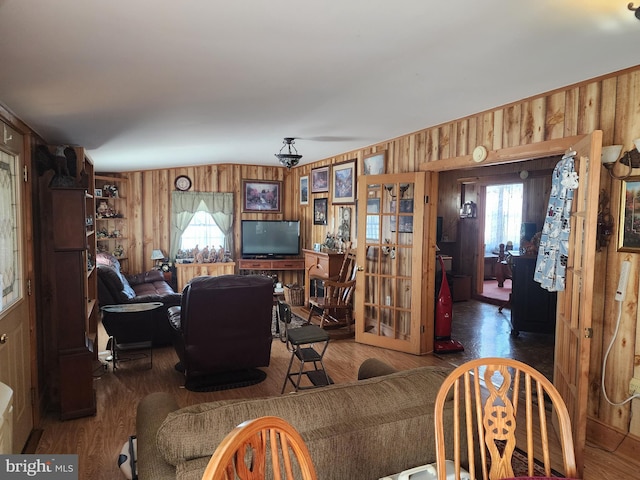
column 366, row 429
column 223, row 324
column 115, row 288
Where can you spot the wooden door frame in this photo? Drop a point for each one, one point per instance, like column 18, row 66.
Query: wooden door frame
column 516, row 154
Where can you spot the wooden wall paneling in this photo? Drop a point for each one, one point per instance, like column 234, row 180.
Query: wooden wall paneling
column 533, row 121
column 554, row 115
column 512, row 119
column 462, row 147
column 599, row 312
column 137, row 210
column 149, row 222
column 633, row 105
column 571, row 112
column 433, row 153
column 608, row 110
column 473, row 140
column 444, row 136
column 589, row 115
column 498, row 129
column 486, row 130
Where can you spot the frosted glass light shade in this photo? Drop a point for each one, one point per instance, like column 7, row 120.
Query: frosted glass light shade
column 637, row 143
column 611, row 153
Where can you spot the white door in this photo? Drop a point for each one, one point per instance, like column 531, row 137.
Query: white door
column 15, row 356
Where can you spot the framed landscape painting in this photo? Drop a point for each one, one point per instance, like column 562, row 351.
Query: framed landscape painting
column 375, row 164
column 629, row 224
column 320, row 180
column 344, row 182
column 304, row 190
column 261, row 196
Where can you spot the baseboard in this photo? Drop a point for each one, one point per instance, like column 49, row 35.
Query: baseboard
column 611, row 439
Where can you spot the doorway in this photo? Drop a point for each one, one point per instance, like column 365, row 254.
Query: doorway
column 500, row 232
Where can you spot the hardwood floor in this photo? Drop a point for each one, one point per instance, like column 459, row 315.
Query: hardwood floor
column 99, row 439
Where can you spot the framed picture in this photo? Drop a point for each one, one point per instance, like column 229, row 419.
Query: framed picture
column 304, row 190
column 629, row 225
column 261, row 196
column 320, row 206
column 98, row 192
column 344, row 182
column 320, row 180
column 375, row 163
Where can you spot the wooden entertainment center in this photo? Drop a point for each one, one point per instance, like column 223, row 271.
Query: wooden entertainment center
column 271, row 264
column 317, row 264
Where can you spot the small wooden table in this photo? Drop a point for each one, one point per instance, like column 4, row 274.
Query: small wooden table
column 117, row 321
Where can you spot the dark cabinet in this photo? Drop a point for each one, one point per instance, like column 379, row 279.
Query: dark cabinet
column 533, row 309
column 68, row 283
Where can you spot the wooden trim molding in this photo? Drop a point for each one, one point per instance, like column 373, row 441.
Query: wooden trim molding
column 611, row 439
column 504, row 155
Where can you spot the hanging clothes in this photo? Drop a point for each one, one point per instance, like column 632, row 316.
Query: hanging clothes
column 554, row 242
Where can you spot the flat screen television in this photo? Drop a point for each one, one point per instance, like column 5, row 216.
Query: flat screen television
column 270, row 238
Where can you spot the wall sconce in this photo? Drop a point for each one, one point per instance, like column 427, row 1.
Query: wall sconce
column 631, row 158
column 636, row 9
column 403, row 189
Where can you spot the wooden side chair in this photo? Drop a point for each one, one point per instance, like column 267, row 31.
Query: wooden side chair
column 487, row 394
column 335, row 302
column 255, row 446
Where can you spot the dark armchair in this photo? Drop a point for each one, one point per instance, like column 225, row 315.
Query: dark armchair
column 223, row 324
column 116, row 288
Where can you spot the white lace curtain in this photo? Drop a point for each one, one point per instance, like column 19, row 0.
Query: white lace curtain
column 185, row 204
column 503, row 216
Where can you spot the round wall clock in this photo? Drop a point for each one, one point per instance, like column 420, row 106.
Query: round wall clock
column 480, row 154
column 183, row 183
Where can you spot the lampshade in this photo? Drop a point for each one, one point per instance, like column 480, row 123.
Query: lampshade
column 611, row 153
column 290, row 157
column 157, row 255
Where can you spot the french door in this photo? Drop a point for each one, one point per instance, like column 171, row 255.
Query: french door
column 391, row 284
column 575, row 303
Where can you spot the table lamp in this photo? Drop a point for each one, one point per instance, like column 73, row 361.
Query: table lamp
column 157, row 255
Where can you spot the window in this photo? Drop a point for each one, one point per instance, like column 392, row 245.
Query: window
column 203, row 232
column 503, row 216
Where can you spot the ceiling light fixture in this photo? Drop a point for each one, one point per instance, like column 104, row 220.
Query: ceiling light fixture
column 290, row 157
column 636, row 9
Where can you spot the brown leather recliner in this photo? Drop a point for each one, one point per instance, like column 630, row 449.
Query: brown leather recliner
column 223, row 324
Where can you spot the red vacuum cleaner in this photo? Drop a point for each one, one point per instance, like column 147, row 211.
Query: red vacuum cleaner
column 444, row 312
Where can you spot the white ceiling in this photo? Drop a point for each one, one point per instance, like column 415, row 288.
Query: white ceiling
column 145, row 84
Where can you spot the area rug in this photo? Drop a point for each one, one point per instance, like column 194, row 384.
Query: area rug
column 225, row 380
column 295, row 323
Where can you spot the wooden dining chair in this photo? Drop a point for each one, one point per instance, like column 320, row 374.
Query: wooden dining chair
column 248, row 449
column 491, row 398
column 335, row 302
